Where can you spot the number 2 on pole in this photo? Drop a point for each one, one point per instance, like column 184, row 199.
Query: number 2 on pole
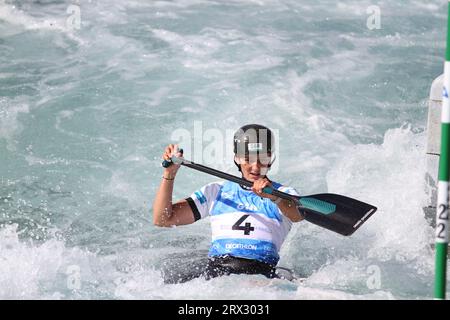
column 441, row 227
column 247, row 228
column 444, row 213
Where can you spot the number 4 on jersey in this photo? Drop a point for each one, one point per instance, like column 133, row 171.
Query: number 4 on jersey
column 247, row 228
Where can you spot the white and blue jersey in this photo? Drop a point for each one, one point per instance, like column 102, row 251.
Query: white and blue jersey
column 243, row 224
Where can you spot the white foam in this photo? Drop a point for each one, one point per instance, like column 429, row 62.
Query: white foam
column 429, row 6
column 149, row 285
column 311, row 293
column 198, row 45
column 391, row 176
column 12, row 15
column 9, row 124
column 181, row 3
column 27, row 268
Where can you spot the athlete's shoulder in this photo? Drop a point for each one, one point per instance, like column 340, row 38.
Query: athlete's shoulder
column 204, row 198
column 209, row 190
column 218, row 183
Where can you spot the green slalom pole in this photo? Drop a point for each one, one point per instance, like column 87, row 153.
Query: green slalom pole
column 443, row 187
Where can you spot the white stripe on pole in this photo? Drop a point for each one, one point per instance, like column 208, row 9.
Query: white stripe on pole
column 445, row 101
column 442, row 216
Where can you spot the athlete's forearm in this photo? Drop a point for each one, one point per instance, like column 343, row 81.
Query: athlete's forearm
column 162, row 205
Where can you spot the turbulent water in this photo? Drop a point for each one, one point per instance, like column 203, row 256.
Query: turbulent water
column 92, row 90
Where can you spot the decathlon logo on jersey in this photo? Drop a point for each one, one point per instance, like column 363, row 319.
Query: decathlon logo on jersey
column 240, row 246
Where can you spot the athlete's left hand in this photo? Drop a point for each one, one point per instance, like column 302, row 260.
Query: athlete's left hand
column 258, row 187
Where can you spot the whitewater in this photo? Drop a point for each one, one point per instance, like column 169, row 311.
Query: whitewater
column 91, row 91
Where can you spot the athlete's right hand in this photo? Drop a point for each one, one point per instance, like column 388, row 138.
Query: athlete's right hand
column 171, row 150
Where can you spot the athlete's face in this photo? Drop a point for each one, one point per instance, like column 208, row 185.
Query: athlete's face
column 254, row 167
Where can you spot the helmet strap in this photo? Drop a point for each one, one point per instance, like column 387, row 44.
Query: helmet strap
column 237, row 165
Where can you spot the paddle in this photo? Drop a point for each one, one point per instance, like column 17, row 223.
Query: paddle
column 334, row 212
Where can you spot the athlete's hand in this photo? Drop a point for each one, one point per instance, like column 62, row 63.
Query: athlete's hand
column 258, row 187
column 171, row 150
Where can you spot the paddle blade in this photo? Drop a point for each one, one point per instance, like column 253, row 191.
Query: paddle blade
column 335, row 212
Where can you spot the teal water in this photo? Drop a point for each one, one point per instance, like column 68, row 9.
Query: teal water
column 86, row 110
